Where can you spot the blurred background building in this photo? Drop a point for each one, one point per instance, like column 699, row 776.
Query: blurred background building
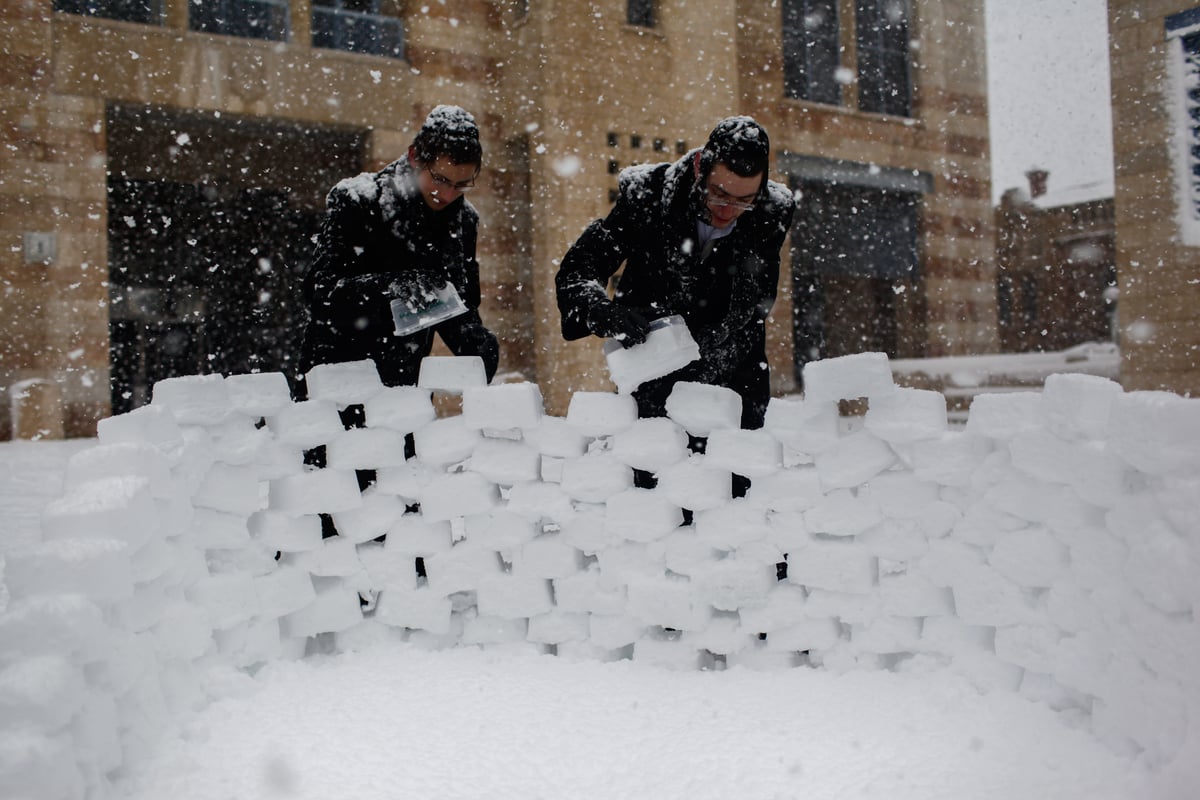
column 165, row 163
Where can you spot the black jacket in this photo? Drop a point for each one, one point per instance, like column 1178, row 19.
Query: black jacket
column 724, row 297
column 377, row 231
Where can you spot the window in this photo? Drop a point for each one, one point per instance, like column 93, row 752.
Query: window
column 253, row 19
column 884, row 84
column 1184, row 67
column 810, row 50
column 148, row 12
column 356, row 26
column 640, row 12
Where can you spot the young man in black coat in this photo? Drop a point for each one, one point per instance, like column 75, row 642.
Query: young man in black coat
column 699, row 238
column 400, row 233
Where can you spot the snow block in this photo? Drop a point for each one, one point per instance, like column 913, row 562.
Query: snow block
column 96, row 568
column 337, row 557
column 514, row 596
column 848, row 377
column 227, row 600
column 458, row 495
column 419, row 609
column 335, row 608
column 503, row 406
column 911, row 594
column 320, row 491
column 557, row 627
column 601, row 413
column 1030, row 557
column 806, row 426
column 753, row 453
column 814, row 634
column 416, row 535
column 835, row 565
column 795, row 489
column 1003, row 416
column 701, row 408
column 983, row 596
column 732, row 525
column 585, row 592
column 366, row 448
column 121, row 459
column 445, row 441
column 54, row 624
column 732, row 583
column 258, row 394
column 461, row 568
column 344, row 384
column 854, row 460
column 194, row 399
column 670, row 602
column 693, row 483
column 284, row 591
column 152, row 425
column 119, row 508
column 234, row 489
column 886, row 635
column 1157, row 432
column 451, row 374
column 640, row 515
column 506, row 462
column 595, row 477
column 724, row 636
column 308, row 423
column 374, row 518
column 1078, row 406
column 651, row 444
column 274, row 530
column 672, row 654
column 784, row 607
column 548, row 556
column 399, row 408
column 614, row 630
column 554, row 436
column 907, row 415
column 842, row 513
column 950, row 460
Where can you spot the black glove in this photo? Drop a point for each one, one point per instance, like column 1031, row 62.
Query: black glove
column 612, row 321
column 416, row 289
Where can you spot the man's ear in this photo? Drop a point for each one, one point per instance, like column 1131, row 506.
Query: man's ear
column 412, row 155
column 696, row 163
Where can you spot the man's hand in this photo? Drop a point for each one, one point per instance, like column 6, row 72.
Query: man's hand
column 416, row 289
column 612, row 321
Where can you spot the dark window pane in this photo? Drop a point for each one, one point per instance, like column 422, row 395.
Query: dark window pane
column 811, row 50
column 356, row 26
column 148, row 12
column 252, row 19
column 884, row 73
column 640, row 12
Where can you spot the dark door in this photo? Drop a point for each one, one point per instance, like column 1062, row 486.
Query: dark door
column 855, row 277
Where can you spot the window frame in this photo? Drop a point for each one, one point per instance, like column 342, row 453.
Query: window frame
column 884, row 63
column 154, row 10
column 641, row 13
column 811, row 56
column 223, row 18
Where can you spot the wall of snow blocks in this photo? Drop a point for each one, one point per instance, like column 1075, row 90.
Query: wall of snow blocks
column 1049, row 548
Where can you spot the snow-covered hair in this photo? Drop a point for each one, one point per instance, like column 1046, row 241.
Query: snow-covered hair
column 448, row 131
column 741, row 144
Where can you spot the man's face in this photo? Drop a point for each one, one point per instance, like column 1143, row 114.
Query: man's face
column 442, row 181
column 729, row 195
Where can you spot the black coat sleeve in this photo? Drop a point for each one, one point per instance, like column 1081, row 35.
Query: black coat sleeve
column 596, row 255
column 466, row 335
column 343, row 289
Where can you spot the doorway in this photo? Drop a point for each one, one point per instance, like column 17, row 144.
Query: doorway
column 211, row 224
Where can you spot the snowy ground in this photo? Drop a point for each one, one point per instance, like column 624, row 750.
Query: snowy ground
column 394, row 721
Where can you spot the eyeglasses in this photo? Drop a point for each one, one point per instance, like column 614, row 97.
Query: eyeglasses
column 442, row 182
column 716, row 196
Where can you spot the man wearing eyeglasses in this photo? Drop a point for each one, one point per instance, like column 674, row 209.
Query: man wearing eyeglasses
column 402, row 234
column 700, row 238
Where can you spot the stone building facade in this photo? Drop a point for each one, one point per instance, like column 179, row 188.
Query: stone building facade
column 164, row 164
column 1056, row 275
column 1154, row 48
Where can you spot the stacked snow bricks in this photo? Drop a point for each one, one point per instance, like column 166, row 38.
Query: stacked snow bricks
column 1049, row 548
